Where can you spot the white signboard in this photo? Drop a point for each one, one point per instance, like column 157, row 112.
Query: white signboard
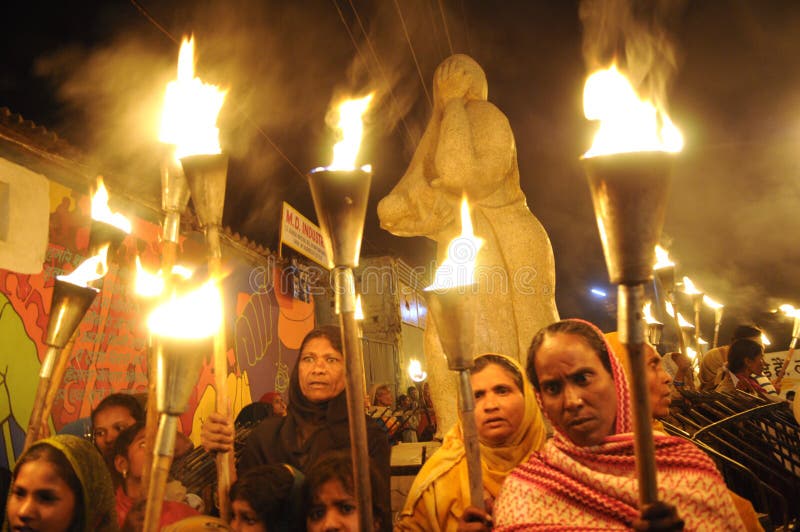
column 773, row 362
column 301, row 235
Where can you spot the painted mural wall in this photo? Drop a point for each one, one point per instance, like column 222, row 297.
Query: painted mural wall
column 264, row 327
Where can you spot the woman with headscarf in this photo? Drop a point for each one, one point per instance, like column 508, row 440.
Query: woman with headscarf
column 317, row 419
column 510, row 427
column 585, row 476
column 61, row 484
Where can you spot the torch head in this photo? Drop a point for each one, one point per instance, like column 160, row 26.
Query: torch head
column 654, row 332
column 666, row 276
column 102, row 234
column 174, row 187
column 629, row 193
column 340, row 199
column 179, row 361
column 454, row 311
column 67, row 308
column 206, row 175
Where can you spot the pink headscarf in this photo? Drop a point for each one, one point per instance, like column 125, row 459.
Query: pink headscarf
column 568, row 487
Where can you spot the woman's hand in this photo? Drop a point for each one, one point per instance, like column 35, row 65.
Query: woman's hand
column 474, row 520
column 216, row 433
column 452, row 81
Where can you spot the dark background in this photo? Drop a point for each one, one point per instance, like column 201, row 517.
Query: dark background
column 95, row 73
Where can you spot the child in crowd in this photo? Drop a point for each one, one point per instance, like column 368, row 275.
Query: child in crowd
column 268, row 498
column 330, row 501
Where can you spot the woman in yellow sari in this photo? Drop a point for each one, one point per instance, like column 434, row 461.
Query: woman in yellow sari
column 510, row 428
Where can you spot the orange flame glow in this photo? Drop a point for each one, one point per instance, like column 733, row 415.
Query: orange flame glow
column 458, row 269
column 351, row 127
column 627, row 123
column 89, row 270
column 191, row 107
column 689, row 287
column 102, row 213
column 662, row 259
column 711, row 303
column 197, row 314
column 648, row 315
column 359, row 313
column 415, row 371
column 765, row 340
column 152, row 284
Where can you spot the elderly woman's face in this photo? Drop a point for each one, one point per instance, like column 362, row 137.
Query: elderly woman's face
column 578, row 393
column 320, row 371
column 499, row 404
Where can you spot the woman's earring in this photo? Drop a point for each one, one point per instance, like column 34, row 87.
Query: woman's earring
column 124, row 473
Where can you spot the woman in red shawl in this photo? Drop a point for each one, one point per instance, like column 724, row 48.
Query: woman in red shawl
column 585, row 477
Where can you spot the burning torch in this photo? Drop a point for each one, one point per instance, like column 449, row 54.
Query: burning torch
column 184, row 326
column 340, row 193
column 189, row 121
column 628, row 170
column 72, row 297
column 655, row 328
column 696, row 296
column 718, row 308
column 664, row 269
column 453, row 304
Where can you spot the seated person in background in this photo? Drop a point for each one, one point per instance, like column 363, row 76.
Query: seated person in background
column 745, row 364
column 585, row 476
column 61, row 483
column 510, row 428
column 382, row 411
column 408, row 418
column 713, row 363
column 317, row 420
column 115, row 413
column 129, row 458
column 253, row 414
column 413, row 396
column 275, row 400
column 268, row 498
column 329, row 496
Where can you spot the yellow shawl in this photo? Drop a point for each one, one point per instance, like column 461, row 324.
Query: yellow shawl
column 440, row 491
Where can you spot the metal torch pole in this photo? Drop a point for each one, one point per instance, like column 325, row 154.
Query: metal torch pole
column 45, row 375
column 717, row 321
column 631, row 331
column 165, row 445
column 225, row 461
column 469, row 427
column 344, row 283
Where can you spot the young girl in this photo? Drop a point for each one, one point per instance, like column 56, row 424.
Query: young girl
column 61, row 484
column 129, row 459
column 330, row 498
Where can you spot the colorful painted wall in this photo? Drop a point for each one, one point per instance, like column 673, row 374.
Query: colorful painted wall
column 264, row 327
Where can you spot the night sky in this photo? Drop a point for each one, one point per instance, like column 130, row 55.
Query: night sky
column 95, row 72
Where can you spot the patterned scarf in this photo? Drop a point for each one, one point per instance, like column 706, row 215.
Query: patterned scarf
column 568, row 487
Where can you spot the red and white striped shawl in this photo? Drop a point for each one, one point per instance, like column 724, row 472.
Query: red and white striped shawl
column 568, row 487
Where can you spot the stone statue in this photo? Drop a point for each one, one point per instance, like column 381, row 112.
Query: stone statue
column 468, row 148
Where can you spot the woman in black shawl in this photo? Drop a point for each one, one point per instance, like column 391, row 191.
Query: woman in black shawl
column 317, row 419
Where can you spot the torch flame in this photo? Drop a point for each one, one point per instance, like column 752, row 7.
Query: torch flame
column 359, row 313
column 351, row 126
column 152, row 284
column 701, row 341
column 101, row 211
column 415, row 371
column 197, row 314
column 627, row 123
column 789, row 310
column 765, row 340
column 689, row 287
column 458, row 269
column 691, row 353
column 682, row 323
column 148, row 284
column 648, row 315
column 662, row 259
column 711, row 303
column 89, row 270
column 189, row 118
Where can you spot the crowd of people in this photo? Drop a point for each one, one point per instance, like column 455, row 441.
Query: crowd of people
column 556, row 447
